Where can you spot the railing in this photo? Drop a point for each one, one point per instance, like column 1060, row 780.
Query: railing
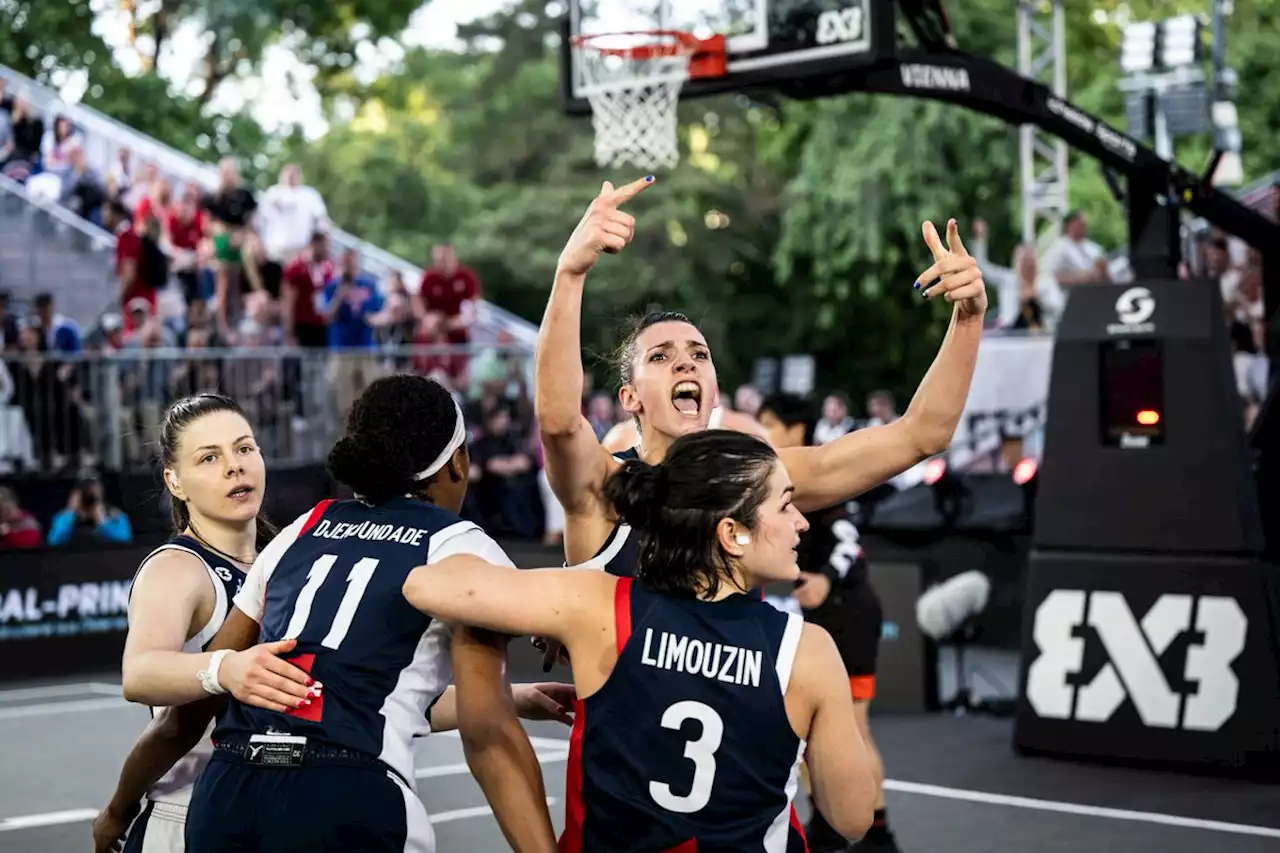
column 44, row 246
column 61, row 412
column 104, row 136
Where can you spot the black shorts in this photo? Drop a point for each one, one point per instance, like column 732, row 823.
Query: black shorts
column 238, row 807
column 852, row 616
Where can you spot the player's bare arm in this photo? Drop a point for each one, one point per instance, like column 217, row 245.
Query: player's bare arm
column 576, row 464
column 171, row 598
column 171, row 735
column 163, row 675
column 854, row 463
column 571, row 606
column 838, row 761
column 496, row 745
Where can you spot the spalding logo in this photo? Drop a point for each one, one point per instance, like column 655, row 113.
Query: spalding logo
column 1135, row 305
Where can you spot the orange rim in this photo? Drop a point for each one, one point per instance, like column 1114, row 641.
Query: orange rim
column 681, row 43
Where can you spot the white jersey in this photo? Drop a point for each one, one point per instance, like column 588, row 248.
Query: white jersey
column 174, row 788
column 333, row 580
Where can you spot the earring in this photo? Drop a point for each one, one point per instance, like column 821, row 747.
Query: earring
column 743, row 539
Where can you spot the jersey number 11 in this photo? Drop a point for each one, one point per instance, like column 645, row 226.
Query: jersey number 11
column 357, row 581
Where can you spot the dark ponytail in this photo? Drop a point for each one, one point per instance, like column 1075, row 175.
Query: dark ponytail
column 637, row 491
column 676, row 506
column 181, row 415
column 397, row 427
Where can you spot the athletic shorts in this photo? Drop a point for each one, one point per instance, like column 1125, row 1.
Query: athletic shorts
column 323, row 807
column 852, row 616
column 159, row 829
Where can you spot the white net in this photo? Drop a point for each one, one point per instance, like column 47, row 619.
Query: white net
column 633, row 102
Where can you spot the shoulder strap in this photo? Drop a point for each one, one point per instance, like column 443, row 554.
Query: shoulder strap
column 220, row 608
column 787, row 650
column 622, row 612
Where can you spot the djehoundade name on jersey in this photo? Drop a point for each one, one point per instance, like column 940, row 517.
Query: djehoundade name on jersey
column 730, row 664
column 372, row 532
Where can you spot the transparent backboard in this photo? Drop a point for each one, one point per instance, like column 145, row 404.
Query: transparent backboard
column 765, row 38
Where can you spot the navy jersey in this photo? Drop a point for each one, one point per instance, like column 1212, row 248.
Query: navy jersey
column 226, row 577
column 831, row 547
column 687, row 746
column 618, row 554
column 333, row 580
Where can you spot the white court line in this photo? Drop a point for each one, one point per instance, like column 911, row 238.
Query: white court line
column 1079, row 809
column 461, row 769
column 46, row 708
column 52, row 691
column 31, row 821
column 555, row 744
column 34, row 821
column 476, row 811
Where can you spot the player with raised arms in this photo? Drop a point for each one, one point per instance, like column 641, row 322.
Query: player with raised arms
column 669, row 385
column 180, row 597
column 696, row 701
column 335, row 771
column 624, row 436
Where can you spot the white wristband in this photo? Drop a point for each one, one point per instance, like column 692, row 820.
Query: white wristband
column 209, row 677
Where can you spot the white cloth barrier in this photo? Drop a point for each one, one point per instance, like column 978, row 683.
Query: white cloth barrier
column 1010, row 385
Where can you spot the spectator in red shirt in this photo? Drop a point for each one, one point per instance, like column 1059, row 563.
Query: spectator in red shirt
column 154, row 204
column 18, row 529
column 303, row 278
column 184, row 229
column 451, row 290
column 141, row 266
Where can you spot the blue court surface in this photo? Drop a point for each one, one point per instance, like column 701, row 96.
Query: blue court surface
column 956, row 786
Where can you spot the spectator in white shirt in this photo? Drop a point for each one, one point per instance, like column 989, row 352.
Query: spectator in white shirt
column 1071, row 259
column 835, row 420
column 55, row 154
column 288, row 215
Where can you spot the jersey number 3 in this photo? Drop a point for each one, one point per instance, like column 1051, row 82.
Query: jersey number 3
column 357, row 581
column 701, row 751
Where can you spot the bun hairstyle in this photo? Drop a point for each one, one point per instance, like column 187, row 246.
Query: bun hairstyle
column 676, row 506
column 177, row 418
column 397, row 428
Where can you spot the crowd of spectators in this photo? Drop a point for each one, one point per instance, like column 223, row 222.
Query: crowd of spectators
column 226, row 289
column 1032, row 293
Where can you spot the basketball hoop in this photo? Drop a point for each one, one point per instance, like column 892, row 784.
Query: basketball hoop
column 632, row 81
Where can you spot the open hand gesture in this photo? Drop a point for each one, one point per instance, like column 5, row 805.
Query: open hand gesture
column 545, row 701
column 955, row 272
column 259, row 676
column 603, row 228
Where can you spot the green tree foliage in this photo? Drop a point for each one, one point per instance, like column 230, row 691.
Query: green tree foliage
column 788, row 227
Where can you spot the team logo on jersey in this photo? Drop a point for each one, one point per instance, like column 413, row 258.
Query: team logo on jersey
column 1134, row 648
column 224, row 573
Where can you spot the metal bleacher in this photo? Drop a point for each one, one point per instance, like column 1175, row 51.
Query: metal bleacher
column 83, row 276
column 45, row 247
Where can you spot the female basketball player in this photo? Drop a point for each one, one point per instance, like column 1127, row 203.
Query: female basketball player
column 683, row 644
column 837, row 595
column 180, row 597
column 669, row 385
column 337, row 766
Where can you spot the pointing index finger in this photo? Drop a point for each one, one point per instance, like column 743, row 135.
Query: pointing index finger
column 629, row 191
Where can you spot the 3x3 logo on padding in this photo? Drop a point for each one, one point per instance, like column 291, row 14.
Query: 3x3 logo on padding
column 1133, row 649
